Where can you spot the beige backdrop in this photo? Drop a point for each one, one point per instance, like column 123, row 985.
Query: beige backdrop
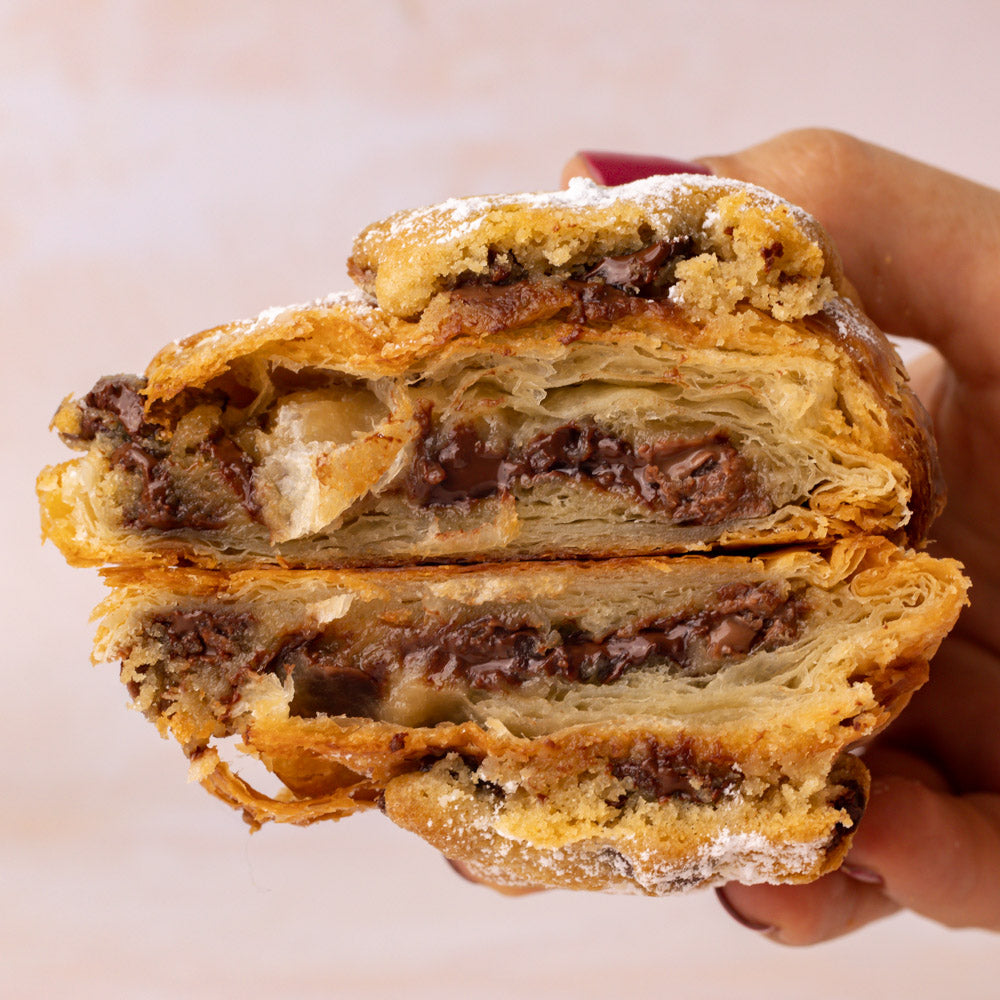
column 167, row 166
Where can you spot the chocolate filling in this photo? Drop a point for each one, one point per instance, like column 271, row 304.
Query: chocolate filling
column 328, row 682
column 491, row 308
column 115, row 409
column 701, row 480
column 646, row 272
column 604, row 291
column 159, row 505
column 236, row 468
column 335, row 675
column 214, row 637
column 218, row 638
column 853, row 800
column 657, row 772
column 453, row 468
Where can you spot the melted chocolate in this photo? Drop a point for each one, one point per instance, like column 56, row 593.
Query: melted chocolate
column 236, row 468
column 115, row 409
column 604, row 291
column 488, row 653
column 213, row 637
column 115, row 406
column 159, row 506
column 453, row 469
column 640, row 273
column 325, row 683
column 491, row 308
column 332, row 675
column 701, row 481
column 643, row 272
column 658, row 772
column 216, row 638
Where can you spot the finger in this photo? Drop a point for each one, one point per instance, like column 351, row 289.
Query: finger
column 577, row 167
column 883, row 759
column 927, row 373
column 807, row 914
column 952, row 721
column 936, row 854
column 916, row 848
column 918, row 243
column 620, row 168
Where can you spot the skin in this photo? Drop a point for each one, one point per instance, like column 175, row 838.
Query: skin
column 921, row 246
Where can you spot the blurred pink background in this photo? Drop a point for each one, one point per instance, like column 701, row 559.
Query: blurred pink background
column 168, row 166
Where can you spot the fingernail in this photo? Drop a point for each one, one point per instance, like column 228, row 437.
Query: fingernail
column 504, row 890
column 860, row 874
column 620, row 168
column 749, row 922
column 460, row 869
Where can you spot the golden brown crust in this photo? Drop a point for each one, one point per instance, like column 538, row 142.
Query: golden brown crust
column 909, row 434
column 342, row 331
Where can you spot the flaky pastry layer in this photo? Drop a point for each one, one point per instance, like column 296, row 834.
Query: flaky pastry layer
column 333, row 436
column 684, row 686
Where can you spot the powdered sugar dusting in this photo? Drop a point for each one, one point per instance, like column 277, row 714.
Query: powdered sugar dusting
column 274, row 317
column 750, row 858
column 457, row 218
column 352, row 299
column 853, row 326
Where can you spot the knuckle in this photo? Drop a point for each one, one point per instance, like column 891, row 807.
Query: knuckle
column 826, row 153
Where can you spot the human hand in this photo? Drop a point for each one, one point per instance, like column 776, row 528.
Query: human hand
column 921, row 246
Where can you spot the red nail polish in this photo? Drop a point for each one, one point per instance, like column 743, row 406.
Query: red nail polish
column 754, row 925
column 620, row 168
column 860, row 874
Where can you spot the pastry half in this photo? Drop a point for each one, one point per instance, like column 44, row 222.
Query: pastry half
column 669, row 366
column 633, row 723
